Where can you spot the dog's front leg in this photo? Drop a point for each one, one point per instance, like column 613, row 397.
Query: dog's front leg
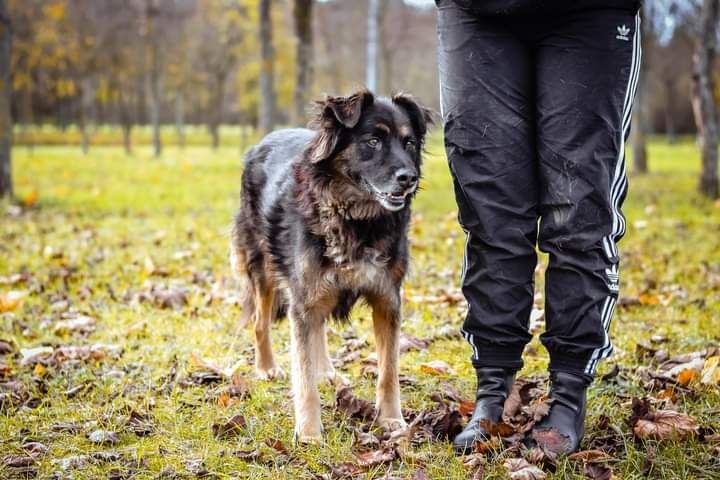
column 386, row 323
column 307, row 334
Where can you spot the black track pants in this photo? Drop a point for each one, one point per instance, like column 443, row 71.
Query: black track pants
column 536, row 112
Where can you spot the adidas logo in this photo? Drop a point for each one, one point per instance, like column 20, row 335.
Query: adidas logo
column 613, row 276
column 623, row 32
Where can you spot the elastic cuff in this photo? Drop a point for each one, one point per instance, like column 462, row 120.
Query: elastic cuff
column 575, row 364
column 508, row 357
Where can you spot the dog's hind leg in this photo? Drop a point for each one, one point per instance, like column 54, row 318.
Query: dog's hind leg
column 265, row 367
column 386, row 324
column 305, row 343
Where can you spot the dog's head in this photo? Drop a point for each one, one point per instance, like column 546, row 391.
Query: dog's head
column 375, row 144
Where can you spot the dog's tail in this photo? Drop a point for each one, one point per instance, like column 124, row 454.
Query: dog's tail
column 238, row 264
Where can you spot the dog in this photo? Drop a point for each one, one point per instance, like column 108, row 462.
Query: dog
column 323, row 223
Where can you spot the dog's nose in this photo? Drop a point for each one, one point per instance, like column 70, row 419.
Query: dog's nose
column 406, row 177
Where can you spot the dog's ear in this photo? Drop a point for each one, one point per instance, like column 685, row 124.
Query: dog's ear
column 334, row 114
column 420, row 117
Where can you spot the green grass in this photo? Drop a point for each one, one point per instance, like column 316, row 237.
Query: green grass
column 100, row 219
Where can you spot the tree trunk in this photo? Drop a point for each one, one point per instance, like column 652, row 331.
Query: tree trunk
column 372, row 45
column 180, row 118
column 670, row 129
column 215, row 116
column 639, row 120
column 703, row 97
column 6, row 189
column 86, row 95
column 125, row 121
column 152, row 78
column 267, row 54
column 303, row 71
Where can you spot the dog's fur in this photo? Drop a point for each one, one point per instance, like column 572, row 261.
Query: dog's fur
column 323, row 223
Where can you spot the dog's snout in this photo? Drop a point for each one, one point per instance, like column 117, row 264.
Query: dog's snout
column 406, row 177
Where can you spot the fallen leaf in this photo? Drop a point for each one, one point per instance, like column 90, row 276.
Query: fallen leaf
column 17, row 461
column 436, row 367
column 345, row 470
column 499, row 429
column 11, row 300
column 104, row 437
column 386, row 454
column 665, row 424
column 589, row 455
column 597, row 471
column 419, row 474
column 139, row 423
column 347, row 403
column 232, row 427
column 277, row 445
column 520, row 469
column 686, row 376
column 408, row 342
column 248, row 455
column 6, row 347
column 80, row 323
column 30, row 198
column 30, row 356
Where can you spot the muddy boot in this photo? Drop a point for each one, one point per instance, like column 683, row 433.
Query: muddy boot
column 494, row 385
column 561, row 431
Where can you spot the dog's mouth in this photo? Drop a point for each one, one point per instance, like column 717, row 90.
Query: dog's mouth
column 393, row 201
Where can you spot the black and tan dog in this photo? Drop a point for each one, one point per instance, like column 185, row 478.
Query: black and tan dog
column 323, row 223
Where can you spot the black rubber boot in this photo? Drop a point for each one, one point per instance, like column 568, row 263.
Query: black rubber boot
column 494, row 385
column 561, row 431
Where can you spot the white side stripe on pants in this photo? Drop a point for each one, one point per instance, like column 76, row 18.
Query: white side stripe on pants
column 618, row 187
column 468, row 336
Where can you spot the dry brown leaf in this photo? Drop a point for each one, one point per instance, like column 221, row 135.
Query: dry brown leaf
column 352, row 406
column 248, row 455
column 408, row 342
column 520, row 469
column 589, row 455
column 436, row 367
column 665, row 424
column 386, row 454
column 686, row 376
column 11, row 300
column 597, row 471
column 232, row 427
column 276, row 445
column 79, row 323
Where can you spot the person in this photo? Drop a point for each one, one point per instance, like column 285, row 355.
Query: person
column 536, row 100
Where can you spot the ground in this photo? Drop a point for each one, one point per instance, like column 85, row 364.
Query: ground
column 130, row 254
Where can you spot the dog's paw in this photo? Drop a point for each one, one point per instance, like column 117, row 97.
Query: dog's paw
column 334, row 378
column 273, row 373
column 392, row 423
column 308, row 439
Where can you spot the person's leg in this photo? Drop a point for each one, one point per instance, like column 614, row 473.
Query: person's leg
column 587, row 72
column 488, row 110
column 487, row 96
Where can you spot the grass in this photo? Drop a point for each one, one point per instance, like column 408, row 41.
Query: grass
column 106, row 224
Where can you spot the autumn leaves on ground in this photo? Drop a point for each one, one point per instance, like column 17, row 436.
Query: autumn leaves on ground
column 121, row 355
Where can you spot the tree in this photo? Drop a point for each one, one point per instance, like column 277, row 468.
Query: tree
column 372, row 44
column 267, row 77
column 704, row 104
column 152, row 65
column 5, row 101
column 640, row 116
column 304, row 56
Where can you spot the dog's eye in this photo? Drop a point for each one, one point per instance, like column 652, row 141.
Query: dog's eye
column 409, row 143
column 373, row 142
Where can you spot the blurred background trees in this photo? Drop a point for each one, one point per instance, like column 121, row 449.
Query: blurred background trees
column 258, row 63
